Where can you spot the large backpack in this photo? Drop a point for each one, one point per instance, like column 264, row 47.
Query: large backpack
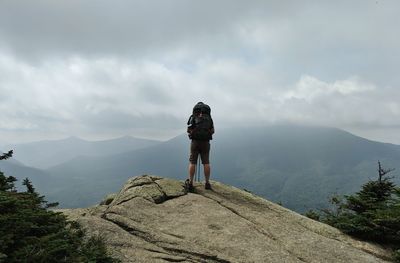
column 201, row 124
column 202, row 127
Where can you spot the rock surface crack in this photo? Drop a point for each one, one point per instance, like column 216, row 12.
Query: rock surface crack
column 255, row 226
column 133, row 197
column 197, row 257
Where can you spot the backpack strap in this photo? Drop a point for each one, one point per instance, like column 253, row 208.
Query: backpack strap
column 190, row 120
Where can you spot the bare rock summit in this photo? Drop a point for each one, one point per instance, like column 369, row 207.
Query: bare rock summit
column 153, row 219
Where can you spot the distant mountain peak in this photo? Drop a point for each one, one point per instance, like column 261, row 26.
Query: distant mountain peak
column 49, row 153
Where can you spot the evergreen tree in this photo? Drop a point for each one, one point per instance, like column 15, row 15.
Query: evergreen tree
column 29, row 232
column 371, row 214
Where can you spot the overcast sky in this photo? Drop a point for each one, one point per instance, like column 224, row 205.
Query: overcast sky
column 100, row 69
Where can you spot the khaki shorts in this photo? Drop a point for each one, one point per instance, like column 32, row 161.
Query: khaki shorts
column 202, row 148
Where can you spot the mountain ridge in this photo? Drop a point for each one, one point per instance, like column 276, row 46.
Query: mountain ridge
column 47, row 153
column 297, row 166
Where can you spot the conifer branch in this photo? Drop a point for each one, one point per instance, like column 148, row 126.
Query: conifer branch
column 7, row 155
column 382, row 172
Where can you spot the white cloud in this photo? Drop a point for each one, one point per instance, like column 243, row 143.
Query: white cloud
column 99, row 67
column 343, row 103
column 310, row 88
column 110, row 95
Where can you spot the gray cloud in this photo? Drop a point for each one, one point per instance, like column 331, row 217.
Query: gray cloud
column 102, row 68
column 109, row 120
column 104, row 27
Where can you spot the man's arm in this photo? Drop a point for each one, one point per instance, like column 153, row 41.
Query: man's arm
column 190, row 127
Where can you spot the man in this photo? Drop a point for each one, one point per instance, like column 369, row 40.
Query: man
column 200, row 130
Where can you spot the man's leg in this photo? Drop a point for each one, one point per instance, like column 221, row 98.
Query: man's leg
column 192, row 169
column 207, row 171
column 205, row 158
column 194, row 155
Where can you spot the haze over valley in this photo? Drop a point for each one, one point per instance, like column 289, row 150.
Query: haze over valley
column 297, row 166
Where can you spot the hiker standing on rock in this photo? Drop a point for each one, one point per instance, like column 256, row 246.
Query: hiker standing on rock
column 200, row 130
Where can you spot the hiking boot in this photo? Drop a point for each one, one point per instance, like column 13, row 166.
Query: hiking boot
column 189, row 187
column 207, row 186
